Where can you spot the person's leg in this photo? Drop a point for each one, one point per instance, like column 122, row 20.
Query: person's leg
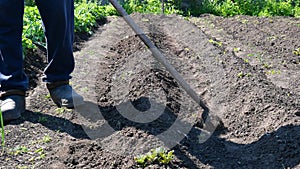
column 58, row 20
column 13, row 81
column 12, row 74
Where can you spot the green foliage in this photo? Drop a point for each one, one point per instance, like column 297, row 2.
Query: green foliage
column 32, row 29
column 245, row 7
column 88, row 12
column 86, row 16
column 150, row 6
column 158, row 155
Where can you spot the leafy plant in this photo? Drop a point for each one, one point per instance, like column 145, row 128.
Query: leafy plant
column 246, row 60
column 86, row 16
column 32, row 29
column 159, row 155
column 19, row 150
column 46, row 139
column 216, row 43
column 273, row 72
column 236, row 49
column 243, row 7
column 47, row 96
column 297, row 52
column 61, row 110
column 150, row 6
column 242, row 74
column 42, row 119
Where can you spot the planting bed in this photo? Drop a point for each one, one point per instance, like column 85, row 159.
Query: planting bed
column 246, row 69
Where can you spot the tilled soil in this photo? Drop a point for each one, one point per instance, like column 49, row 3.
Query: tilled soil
column 244, row 68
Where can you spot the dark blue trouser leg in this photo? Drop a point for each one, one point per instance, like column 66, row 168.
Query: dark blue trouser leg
column 12, row 75
column 58, row 20
column 57, row 16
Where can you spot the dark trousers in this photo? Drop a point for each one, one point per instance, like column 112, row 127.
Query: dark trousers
column 58, row 22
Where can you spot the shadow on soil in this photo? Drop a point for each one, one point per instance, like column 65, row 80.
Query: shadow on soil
column 53, row 123
column 275, row 150
column 279, row 149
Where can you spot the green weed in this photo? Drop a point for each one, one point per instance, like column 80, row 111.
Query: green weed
column 243, row 74
column 159, row 155
column 273, row 72
column 216, row 43
column 61, row 110
column 19, row 150
column 297, row 52
column 246, row 60
column 22, row 167
column 32, row 30
column 236, row 49
column 244, row 7
column 2, row 132
column 151, row 6
column 86, row 16
column 47, row 96
column 267, row 66
column 46, row 139
column 42, row 119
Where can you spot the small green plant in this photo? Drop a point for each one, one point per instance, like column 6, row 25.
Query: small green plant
column 273, row 72
column 236, row 49
column 22, row 167
column 2, row 131
column 47, row 96
column 159, row 155
column 297, row 52
column 246, row 60
column 61, row 110
column 216, row 43
column 245, row 21
column 267, row 66
column 19, row 150
column 242, row 74
column 46, row 139
column 251, row 55
column 40, row 152
column 42, row 119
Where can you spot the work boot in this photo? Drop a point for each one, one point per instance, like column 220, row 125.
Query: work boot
column 12, row 104
column 63, row 95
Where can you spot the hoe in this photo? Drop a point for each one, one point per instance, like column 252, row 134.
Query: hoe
column 159, row 57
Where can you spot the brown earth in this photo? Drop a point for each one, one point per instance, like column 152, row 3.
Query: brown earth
column 243, row 67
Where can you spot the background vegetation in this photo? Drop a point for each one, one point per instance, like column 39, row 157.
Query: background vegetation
column 88, row 12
